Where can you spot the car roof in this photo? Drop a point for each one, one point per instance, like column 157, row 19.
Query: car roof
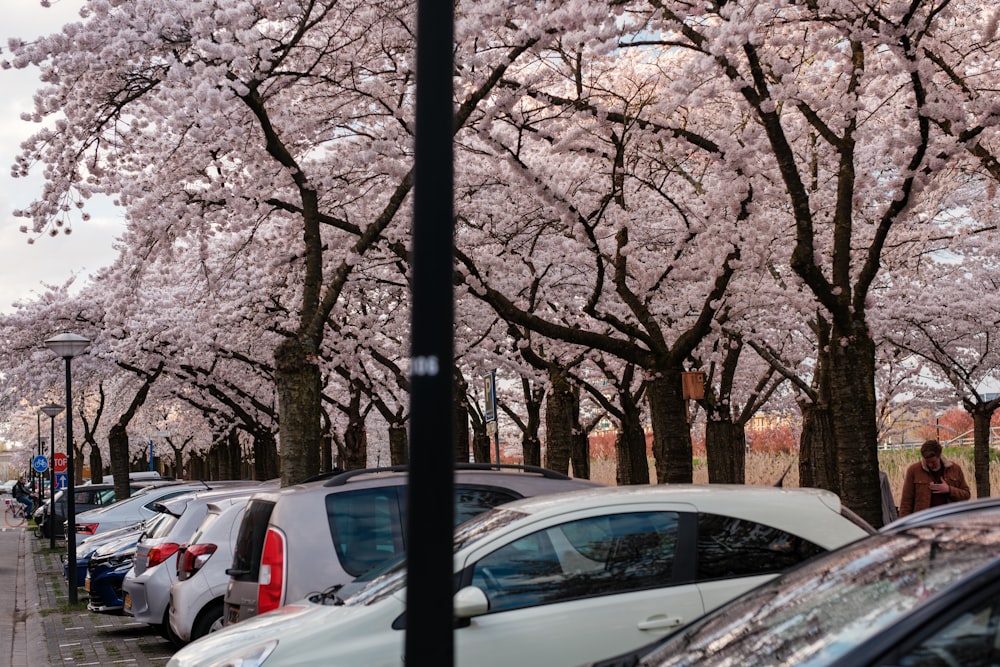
column 932, row 514
column 523, row 479
column 178, row 504
column 704, row 497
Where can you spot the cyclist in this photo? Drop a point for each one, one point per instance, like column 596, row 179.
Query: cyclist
column 20, row 492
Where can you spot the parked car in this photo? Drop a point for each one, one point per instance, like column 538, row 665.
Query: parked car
column 107, row 564
column 139, row 507
column 89, row 545
column 313, row 536
column 147, row 584
column 558, row 579
column 925, row 595
column 988, row 504
column 86, row 497
column 197, row 595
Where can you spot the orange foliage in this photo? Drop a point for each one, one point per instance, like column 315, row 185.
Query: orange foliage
column 777, row 439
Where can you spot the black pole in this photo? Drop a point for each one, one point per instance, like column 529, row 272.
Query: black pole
column 37, row 476
column 70, row 501
column 429, row 593
column 52, row 483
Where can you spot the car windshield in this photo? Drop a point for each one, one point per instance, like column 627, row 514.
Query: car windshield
column 391, row 575
column 814, row 614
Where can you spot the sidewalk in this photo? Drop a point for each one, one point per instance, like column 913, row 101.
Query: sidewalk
column 48, row 632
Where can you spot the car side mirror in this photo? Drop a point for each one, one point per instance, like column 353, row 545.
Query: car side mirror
column 470, row 601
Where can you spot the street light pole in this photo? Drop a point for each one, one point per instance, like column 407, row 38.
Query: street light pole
column 67, row 346
column 52, row 409
column 37, row 476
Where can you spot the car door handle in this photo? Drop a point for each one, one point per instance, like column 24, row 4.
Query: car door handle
column 660, row 622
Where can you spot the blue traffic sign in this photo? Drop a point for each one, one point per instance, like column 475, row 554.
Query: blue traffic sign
column 62, row 480
column 40, row 463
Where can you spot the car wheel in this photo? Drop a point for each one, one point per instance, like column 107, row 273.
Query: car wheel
column 209, row 620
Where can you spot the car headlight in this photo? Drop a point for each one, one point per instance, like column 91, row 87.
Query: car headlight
column 253, row 656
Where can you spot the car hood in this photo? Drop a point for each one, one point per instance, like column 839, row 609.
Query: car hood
column 307, row 634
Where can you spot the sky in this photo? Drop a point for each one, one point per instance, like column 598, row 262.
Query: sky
column 26, row 268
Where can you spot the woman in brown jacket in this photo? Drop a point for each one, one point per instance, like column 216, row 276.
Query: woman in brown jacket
column 932, row 481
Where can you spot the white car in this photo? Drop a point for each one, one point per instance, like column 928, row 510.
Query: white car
column 559, row 579
column 196, row 597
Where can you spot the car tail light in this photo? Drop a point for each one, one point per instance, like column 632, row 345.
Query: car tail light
column 87, row 528
column 271, row 584
column 195, row 555
column 160, row 553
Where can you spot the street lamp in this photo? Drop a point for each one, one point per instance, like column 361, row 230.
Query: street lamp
column 52, row 409
column 67, row 346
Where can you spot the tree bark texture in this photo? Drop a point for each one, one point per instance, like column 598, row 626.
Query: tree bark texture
column 982, row 415
column 818, row 449
column 725, row 449
column 852, row 403
column 630, row 449
column 297, row 379
column 559, row 420
column 96, row 464
column 672, row 449
column 118, row 451
column 399, row 449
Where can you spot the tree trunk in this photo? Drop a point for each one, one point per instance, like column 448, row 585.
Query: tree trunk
column 580, row 452
column 630, row 447
column 265, row 456
column 399, row 450
column 982, row 415
column 817, row 449
column 462, row 433
column 118, row 451
column 353, row 455
column 725, row 448
column 852, row 404
column 531, row 442
column 297, row 380
column 671, row 431
column 559, row 420
column 96, row 464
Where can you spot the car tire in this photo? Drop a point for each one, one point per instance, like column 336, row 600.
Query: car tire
column 209, row 619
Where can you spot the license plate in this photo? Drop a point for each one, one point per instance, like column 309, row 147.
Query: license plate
column 128, row 601
column 233, row 616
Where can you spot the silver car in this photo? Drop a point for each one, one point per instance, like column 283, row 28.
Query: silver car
column 197, row 595
column 147, row 584
column 316, row 536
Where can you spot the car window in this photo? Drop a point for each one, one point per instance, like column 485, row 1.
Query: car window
column 585, row 558
column 472, row 501
column 250, row 540
column 731, row 547
column 162, row 526
column 151, row 505
column 366, row 526
column 821, row 610
column 971, row 640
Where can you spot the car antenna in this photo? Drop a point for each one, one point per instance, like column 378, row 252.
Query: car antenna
column 781, row 480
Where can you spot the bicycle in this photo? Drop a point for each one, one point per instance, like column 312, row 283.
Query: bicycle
column 14, row 514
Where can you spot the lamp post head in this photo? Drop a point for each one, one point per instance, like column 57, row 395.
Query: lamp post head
column 52, row 409
column 67, row 345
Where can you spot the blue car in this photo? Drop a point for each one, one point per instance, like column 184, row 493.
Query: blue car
column 87, row 549
column 104, row 576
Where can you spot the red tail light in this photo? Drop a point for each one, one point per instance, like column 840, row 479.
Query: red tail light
column 87, row 528
column 195, row 555
column 161, row 553
column 271, row 584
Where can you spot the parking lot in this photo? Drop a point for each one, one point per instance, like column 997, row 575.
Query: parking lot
column 56, row 634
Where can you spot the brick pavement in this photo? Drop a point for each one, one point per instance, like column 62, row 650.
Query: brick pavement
column 60, row 635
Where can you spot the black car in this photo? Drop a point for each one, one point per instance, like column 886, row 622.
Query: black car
column 926, row 595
